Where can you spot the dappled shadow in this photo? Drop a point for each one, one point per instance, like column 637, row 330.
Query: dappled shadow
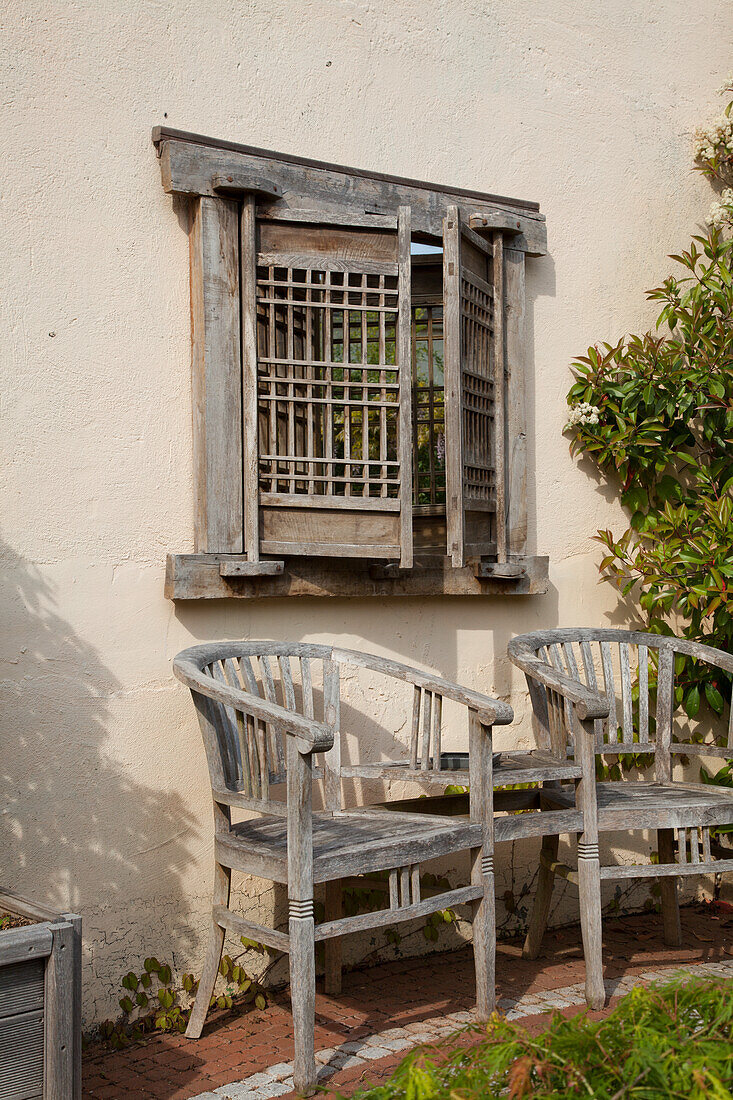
column 78, row 829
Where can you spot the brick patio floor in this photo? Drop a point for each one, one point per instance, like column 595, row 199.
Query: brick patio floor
column 393, row 995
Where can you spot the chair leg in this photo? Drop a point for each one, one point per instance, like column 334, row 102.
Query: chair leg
column 333, row 946
column 543, row 896
column 303, row 994
column 669, row 884
column 222, row 884
column 484, row 933
column 589, row 885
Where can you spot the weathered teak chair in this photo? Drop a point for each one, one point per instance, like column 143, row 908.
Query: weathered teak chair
column 266, row 710
column 584, row 683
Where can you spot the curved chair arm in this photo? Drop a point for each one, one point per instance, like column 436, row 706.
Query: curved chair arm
column 588, row 703
column 490, row 711
column 317, row 735
column 718, row 658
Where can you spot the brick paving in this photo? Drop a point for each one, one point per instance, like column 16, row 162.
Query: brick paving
column 391, row 996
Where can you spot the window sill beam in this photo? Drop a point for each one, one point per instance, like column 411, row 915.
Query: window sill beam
column 223, row 576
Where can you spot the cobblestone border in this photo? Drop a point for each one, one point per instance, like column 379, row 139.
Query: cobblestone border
column 278, row 1079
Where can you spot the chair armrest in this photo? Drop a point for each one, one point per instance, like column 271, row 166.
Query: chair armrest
column 318, row 736
column 491, row 712
column 589, row 704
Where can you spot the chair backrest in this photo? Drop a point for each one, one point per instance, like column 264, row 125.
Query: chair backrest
column 247, row 755
column 636, row 672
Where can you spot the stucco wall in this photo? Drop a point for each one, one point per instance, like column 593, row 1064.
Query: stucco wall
column 104, row 804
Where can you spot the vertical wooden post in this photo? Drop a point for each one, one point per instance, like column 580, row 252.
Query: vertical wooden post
column 669, row 886
column 332, row 770
column 404, row 364
column 452, row 330
column 481, row 803
column 589, row 865
column 301, row 927
column 216, row 375
column 334, row 911
column 515, row 340
column 248, row 252
column 61, row 1079
column 499, row 358
column 75, row 1007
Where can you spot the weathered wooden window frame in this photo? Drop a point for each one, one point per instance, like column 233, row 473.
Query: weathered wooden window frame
column 230, row 189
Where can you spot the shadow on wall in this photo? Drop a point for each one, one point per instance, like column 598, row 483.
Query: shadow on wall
column 77, row 828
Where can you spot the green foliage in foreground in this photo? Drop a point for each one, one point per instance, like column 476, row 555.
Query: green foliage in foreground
column 663, row 1041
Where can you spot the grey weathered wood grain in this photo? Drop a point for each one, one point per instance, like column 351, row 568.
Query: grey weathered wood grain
column 216, row 375
column 499, row 362
column 404, row 360
column 381, row 918
column 517, row 361
column 189, row 167
column 289, row 843
column 62, row 1017
column 665, row 805
column 197, row 576
column 250, row 416
column 452, row 359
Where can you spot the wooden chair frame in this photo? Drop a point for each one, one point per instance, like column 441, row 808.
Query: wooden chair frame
column 242, row 726
column 569, row 705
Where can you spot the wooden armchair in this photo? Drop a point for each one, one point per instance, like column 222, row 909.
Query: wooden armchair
column 584, row 685
column 268, row 711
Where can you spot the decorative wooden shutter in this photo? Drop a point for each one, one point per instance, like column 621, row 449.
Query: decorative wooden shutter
column 474, row 392
column 327, row 388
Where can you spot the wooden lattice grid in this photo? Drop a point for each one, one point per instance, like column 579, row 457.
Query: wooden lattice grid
column 328, row 382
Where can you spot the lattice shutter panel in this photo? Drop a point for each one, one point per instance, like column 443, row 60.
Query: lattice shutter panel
column 334, row 473
column 474, row 368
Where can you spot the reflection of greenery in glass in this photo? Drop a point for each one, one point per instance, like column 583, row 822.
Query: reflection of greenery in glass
column 350, row 420
column 428, row 405
column 427, row 396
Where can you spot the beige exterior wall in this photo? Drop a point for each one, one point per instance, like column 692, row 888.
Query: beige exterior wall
column 104, row 804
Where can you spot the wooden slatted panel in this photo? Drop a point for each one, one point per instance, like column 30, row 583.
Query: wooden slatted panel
column 21, row 1056
column 556, row 659
column 437, row 731
column 694, row 846
column 471, row 366
column 665, row 704
column 270, row 740
column 332, row 717
column 610, row 688
column 415, row 884
column 643, row 693
column 334, row 392
column 415, row 736
column 425, row 739
column 227, row 732
column 591, row 680
column 626, row 700
column 394, row 897
column 21, row 987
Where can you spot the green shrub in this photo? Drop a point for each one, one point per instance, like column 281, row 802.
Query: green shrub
column 655, row 414
column 658, row 1043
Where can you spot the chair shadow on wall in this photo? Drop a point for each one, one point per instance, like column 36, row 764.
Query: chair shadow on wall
column 78, row 829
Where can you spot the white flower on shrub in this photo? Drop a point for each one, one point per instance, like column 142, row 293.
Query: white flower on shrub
column 720, row 214
column 583, row 414
column 714, row 141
